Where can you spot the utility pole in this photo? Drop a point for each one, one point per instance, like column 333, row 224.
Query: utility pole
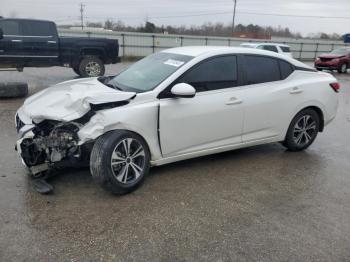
column 234, row 15
column 82, row 15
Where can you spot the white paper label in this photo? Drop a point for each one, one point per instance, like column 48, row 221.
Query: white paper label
column 173, row 62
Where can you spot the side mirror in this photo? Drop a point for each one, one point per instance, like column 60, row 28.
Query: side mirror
column 183, row 90
column 1, row 34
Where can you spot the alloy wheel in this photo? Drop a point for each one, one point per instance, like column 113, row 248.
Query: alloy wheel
column 304, row 130
column 128, row 160
column 93, row 69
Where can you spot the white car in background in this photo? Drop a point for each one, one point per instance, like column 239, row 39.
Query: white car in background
column 174, row 105
column 277, row 48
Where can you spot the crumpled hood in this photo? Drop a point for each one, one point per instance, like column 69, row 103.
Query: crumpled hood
column 70, row 100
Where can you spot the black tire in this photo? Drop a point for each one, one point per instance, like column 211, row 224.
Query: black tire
column 343, row 68
column 76, row 70
column 102, row 158
column 14, row 89
column 91, row 66
column 319, row 69
column 292, row 141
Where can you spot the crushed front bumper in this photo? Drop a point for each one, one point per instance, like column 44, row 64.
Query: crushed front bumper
column 46, row 145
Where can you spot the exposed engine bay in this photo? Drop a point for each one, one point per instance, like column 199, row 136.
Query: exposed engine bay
column 51, row 143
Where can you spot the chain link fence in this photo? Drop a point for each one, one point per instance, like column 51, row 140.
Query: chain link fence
column 143, row 44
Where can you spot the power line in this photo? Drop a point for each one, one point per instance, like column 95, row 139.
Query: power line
column 301, row 16
column 220, row 13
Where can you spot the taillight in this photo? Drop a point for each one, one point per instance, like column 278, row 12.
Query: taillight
column 335, row 86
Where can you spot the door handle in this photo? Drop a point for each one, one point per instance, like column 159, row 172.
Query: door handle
column 296, row 90
column 234, row 101
column 16, row 40
column 51, row 42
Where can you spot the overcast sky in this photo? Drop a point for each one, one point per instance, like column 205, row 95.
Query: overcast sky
column 192, row 12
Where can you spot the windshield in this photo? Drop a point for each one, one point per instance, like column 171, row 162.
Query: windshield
column 149, row 72
column 341, row 51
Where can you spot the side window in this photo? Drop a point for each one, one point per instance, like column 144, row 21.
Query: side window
column 270, row 48
column 286, row 69
column 215, row 73
column 9, row 27
column 261, row 69
column 37, row 28
column 285, row 49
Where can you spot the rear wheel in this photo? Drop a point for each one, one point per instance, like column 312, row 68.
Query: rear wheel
column 119, row 161
column 343, row 68
column 302, row 130
column 91, row 66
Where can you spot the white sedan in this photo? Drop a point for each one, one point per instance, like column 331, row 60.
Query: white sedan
column 273, row 47
column 173, row 105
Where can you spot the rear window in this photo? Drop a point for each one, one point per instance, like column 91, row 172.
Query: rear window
column 37, row 28
column 271, row 48
column 261, row 69
column 9, row 27
column 285, row 49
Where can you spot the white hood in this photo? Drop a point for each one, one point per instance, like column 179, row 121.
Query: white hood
column 70, row 100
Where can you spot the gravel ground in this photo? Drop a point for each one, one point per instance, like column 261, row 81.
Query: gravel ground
column 255, row 204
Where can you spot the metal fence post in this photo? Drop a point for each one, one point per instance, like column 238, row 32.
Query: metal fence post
column 332, row 47
column 181, row 40
column 229, row 42
column 123, row 44
column 301, row 50
column 153, row 43
column 316, row 50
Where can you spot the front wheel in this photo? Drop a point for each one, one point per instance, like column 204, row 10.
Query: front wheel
column 302, row 130
column 119, row 161
column 91, row 66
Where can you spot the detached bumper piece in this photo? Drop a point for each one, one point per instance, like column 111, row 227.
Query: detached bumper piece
column 41, row 186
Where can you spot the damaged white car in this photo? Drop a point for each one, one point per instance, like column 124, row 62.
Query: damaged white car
column 174, row 105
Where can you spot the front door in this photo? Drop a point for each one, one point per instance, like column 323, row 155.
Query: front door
column 212, row 119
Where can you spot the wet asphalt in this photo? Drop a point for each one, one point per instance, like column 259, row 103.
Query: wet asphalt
column 256, row 204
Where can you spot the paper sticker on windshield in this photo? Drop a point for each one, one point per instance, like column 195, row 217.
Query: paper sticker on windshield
column 173, row 62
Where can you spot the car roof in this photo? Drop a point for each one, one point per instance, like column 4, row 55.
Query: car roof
column 25, row 19
column 264, row 43
column 208, row 51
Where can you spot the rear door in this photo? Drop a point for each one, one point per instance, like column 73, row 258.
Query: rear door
column 11, row 45
column 40, row 42
column 213, row 118
column 270, row 97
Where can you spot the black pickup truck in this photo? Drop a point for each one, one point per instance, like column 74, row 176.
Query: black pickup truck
column 35, row 43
